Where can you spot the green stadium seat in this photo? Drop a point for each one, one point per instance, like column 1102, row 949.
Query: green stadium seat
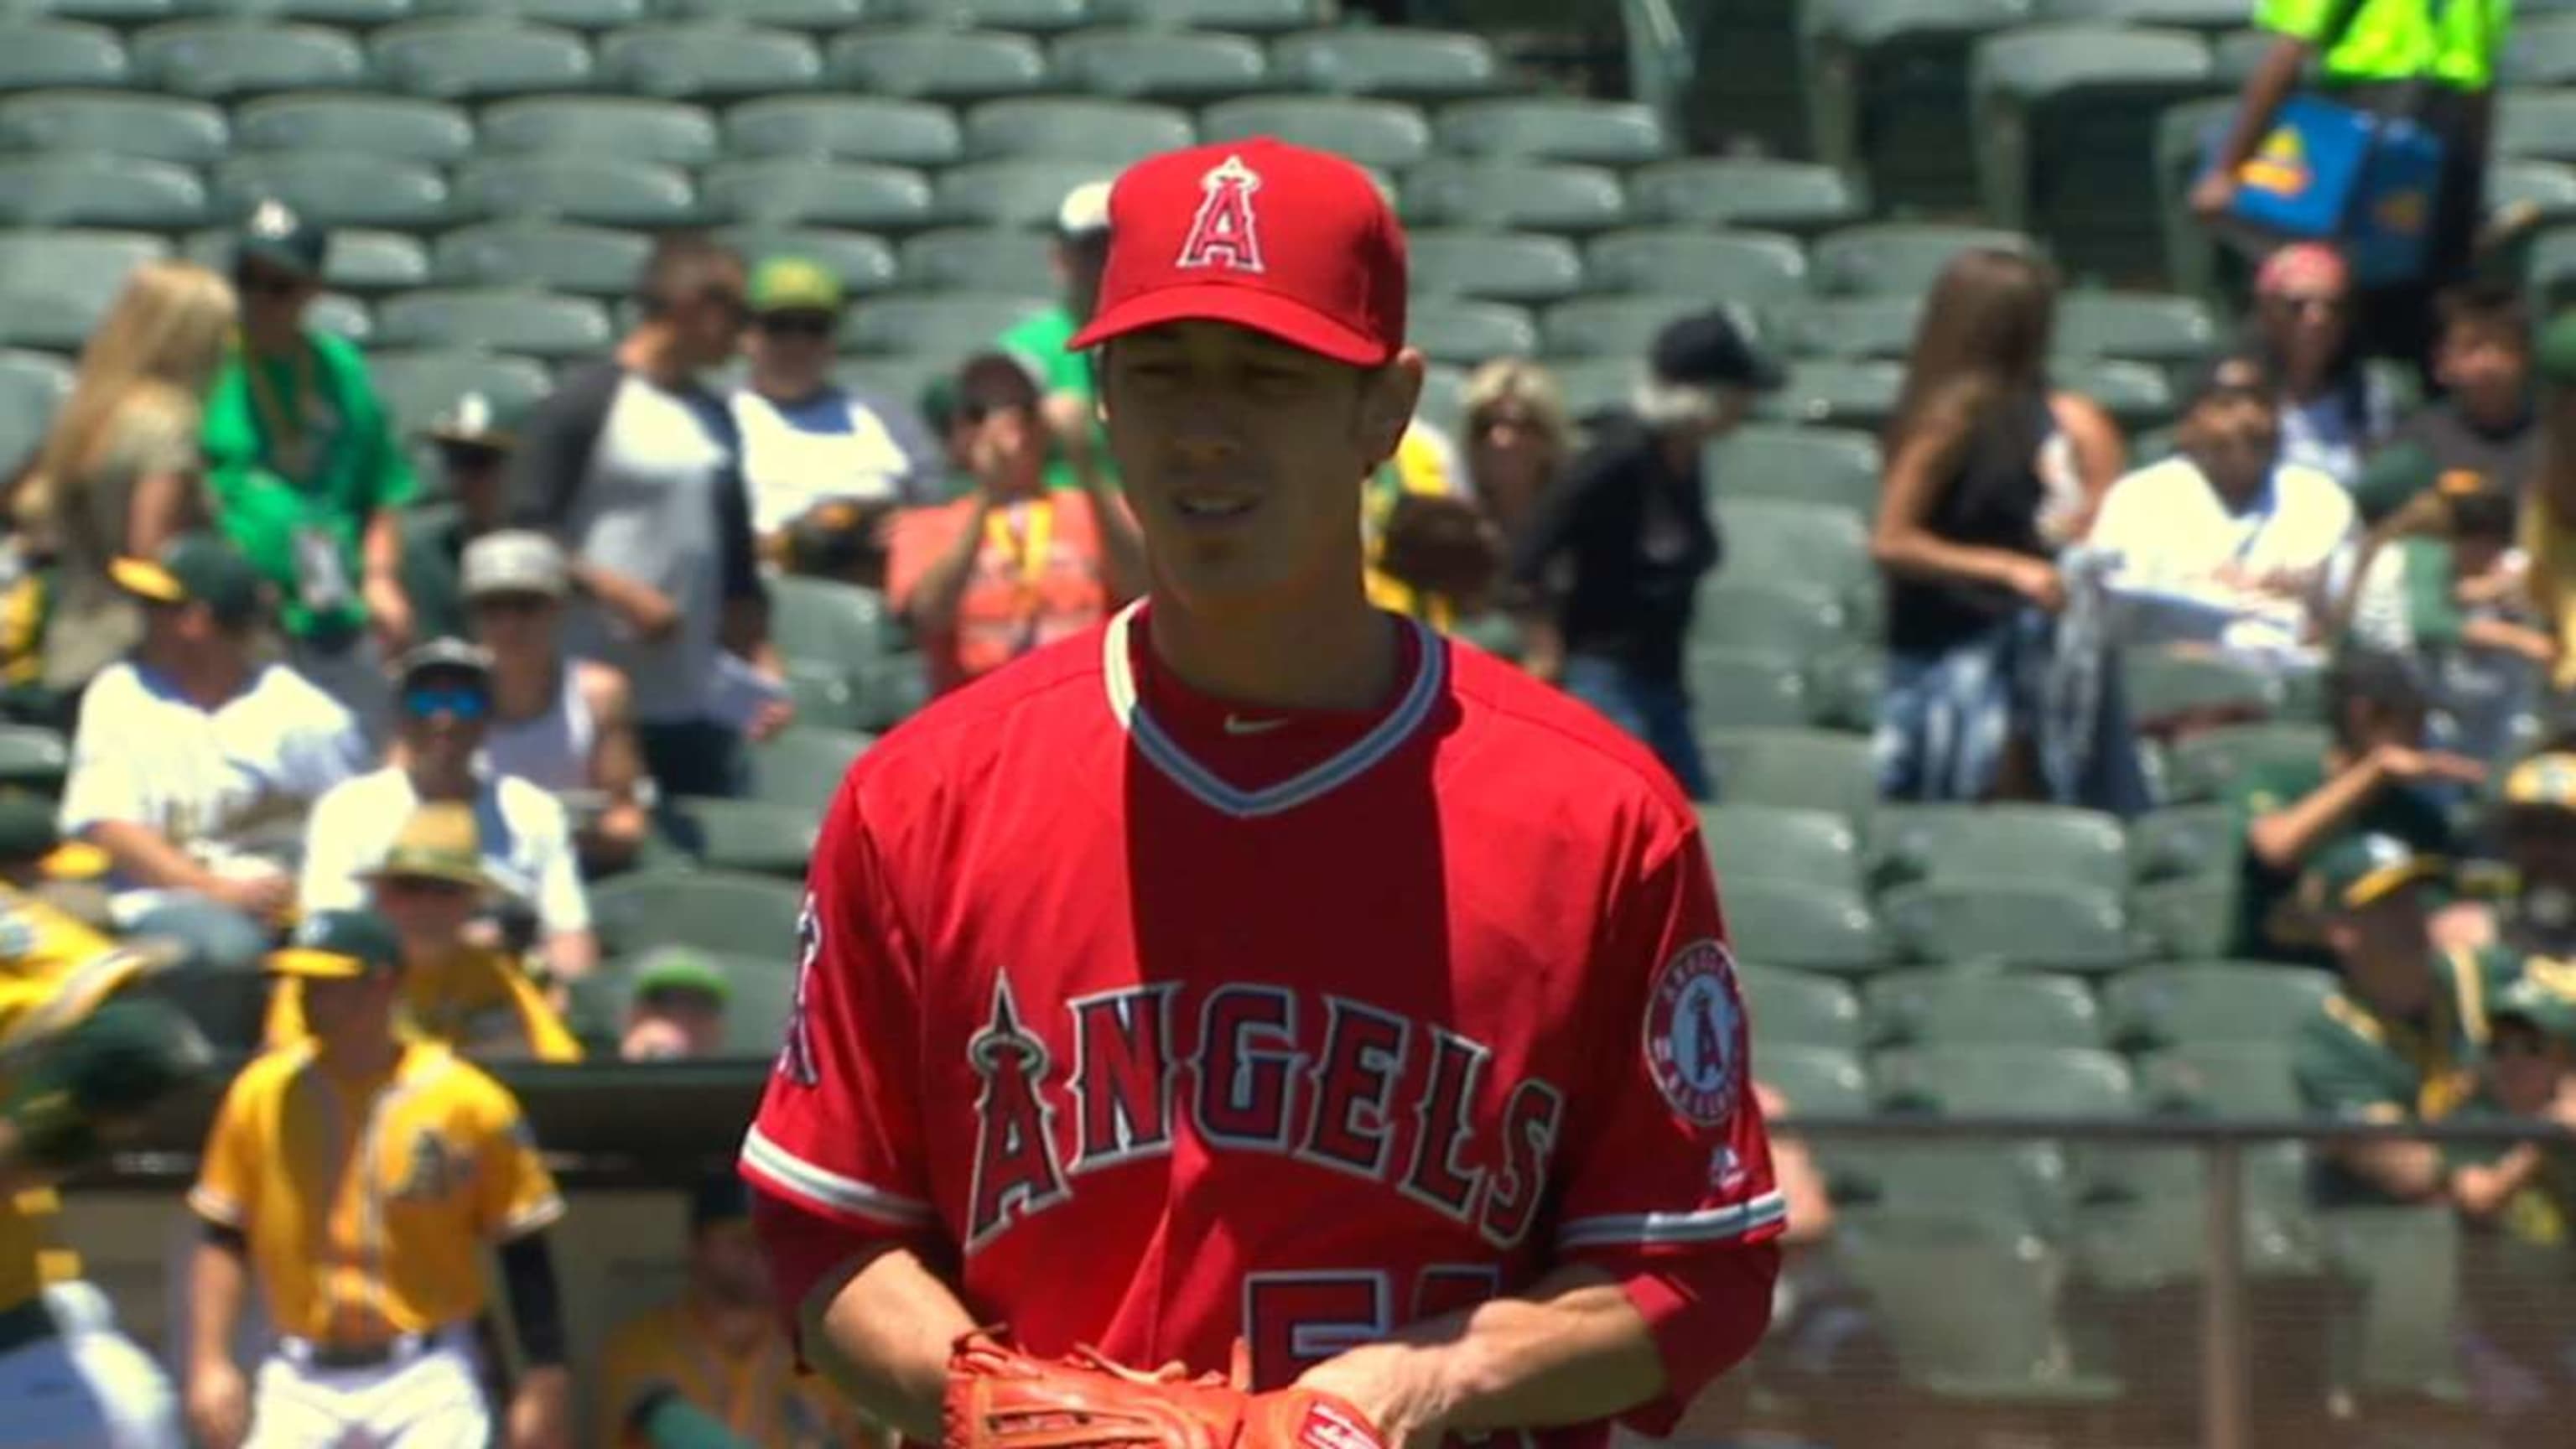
column 1524, row 267
column 103, row 191
column 811, row 191
column 2222, row 1079
column 1811, row 544
column 2542, row 52
column 1804, row 769
column 1797, row 1008
column 803, row 766
column 1139, row 63
column 1879, row 328
column 1779, row 843
column 2004, row 921
column 2236, row 55
column 56, row 285
column 1886, row 92
column 2190, row 252
column 2190, row 918
column 33, row 758
column 1106, row 134
column 366, row 260
column 1770, row 614
column 2551, row 268
column 1249, row 16
column 1038, row 16
column 1827, row 466
column 220, row 58
column 974, row 259
column 2136, row 395
column 851, row 128
column 630, row 128
column 706, row 910
column 1846, row 685
column 1837, row 393
column 495, row 319
column 951, row 65
column 400, row 128
column 2400, row 1343
column 1990, row 1078
column 819, row 624
column 346, row 14
column 2044, row 844
column 45, row 54
column 473, row 60
column 2015, row 1349
column 597, row 190
column 583, row 15
column 1816, row 1078
column 825, row 698
column 1024, row 192
column 2538, row 124
column 124, row 14
column 1623, row 327
column 1531, row 195
column 809, row 15
column 1555, row 128
column 1755, row 268
column 1406, row 64
column 900, row 377
column 1389, row 135
column 1795, row 196
column 950, row 325
column 710, row 59
column 2166, row 685
column 752, row 836
column 2203, row 766
column 864, row 263
column 32, row 386
column 592, row 261
column 157, row 128
column 1594, row 385
column 892, row 689
column 336, row 188
column 2185, row 14
column 1805, row 926
column 2186, row 842
column 1899, row 258
column 1969, row 1009
column 2141, row 326
column 418, row 386
column 1467, row 332
column 1732, row 688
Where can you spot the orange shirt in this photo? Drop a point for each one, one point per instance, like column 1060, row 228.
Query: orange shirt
column 1040, row 575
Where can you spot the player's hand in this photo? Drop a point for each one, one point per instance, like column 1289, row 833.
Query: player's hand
column 1394, row 1384
column 218, row 1405
column 2213, row 193
column 541, row 1411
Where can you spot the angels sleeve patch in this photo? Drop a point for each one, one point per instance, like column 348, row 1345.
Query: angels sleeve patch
column 1695, row 1033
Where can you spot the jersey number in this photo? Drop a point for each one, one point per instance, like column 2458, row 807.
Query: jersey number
column 1296, row 1320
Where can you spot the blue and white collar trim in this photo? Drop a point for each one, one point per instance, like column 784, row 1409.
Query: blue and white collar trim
column 1117, row 667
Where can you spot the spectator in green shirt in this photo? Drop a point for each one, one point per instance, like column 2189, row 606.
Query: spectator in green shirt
column 1038, row 341
column 307, row 477
column 2517, row 1203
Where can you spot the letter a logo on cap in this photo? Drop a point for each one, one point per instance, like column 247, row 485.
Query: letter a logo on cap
column 1226, row 233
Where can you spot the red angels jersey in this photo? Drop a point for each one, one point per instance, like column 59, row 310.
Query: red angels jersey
column 1169, row 1024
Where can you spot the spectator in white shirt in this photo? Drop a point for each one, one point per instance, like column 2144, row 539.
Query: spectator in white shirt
column 2226, row 542
column 194, row 761
column 443, row 701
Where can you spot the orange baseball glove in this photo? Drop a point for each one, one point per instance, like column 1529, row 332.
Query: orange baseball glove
column 1000, row 1398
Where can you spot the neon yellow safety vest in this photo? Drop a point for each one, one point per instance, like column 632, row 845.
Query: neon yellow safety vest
column 2454, row 42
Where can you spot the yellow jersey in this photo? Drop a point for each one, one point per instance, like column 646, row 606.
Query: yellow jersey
column 477, row 1002
column 758, row 1395
column 367, row 1202
column 1424, row 463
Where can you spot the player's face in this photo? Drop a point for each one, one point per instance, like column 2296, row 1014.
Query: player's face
column 1243, row 457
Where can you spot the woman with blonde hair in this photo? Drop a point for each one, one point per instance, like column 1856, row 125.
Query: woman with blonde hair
column 1519, row 433
column 120, row 473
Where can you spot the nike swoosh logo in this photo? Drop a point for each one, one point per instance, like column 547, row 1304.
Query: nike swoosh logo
column 1238, row 725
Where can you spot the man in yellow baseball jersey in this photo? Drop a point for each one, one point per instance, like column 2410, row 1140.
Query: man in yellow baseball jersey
column 74, row 1065
column 719, row 1346
column 360, row 1174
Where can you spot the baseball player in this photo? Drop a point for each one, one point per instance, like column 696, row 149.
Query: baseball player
column 76, row 1063
column 359, row 1173
column 1258, row 967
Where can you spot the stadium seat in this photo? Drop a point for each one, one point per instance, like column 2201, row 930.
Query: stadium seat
column 2014, row 1349
column 56, row 285
column 1555, row 128
column 1862, row 329
column 1886, row 91
column 32, row 386
column 2551, row 268
column 902, row 378
column 2186, row 14
column 1025, row 192
column 2140, row 326
column 709, row 59
column 1036, row 16
column 1845, row 686
column 1988, row 1077
column 1798, row 1008
column 851, row 128
column 1755, row 268
column 802, row 766
column 1467, row 332
column 2012, row 921
column 2537, row 124
column 2176, row 1003
column 591, row 261
column 1389, row 135
column 472, row 60
column 2043, row 844
column 1770, row 614
column 1401, row 63
column 2190, row 918
column 597, row 190
column 400, row 128
column 864, row 263
column 495, row 319
column 820, row 624
column 1532, row 195
column 583, row 15
column 1804, row 769
column 2182, row 138
column 1899, row 258
column 1970, row 1008
column 1249, row 16
column 2400, row 1341
column 2169, row 685
column 2137, row 396
column 1778, row 843
column 78, row 189
column 630, row 128
column 44, row 54
column 418, row 386
column 1154, row 63
column 2186, row 842
column 124, row 14
column 892, row 688
column 826, row 698
column 157, row 128
column 336, row 188
column 949, row 325
column 974, row 259
column 2542, row 53
column 752, row 836
column 1795, row 196
column 33, row 758
column 1806, row 926
column 1612, row 326
column 1817, row 1079
column 815, row 192
column 1828, row 466
column 369, row 261
column 219, row 58
column 951, row 65
column 1595, row 385
column 1736, row 688
column 705, row 910
column 1837, row 392
column 806, row 15
column 2203, row 766
column 1813, row 545
column 1524, row 267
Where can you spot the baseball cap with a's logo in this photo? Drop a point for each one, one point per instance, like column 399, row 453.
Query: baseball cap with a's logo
column 1293, row 243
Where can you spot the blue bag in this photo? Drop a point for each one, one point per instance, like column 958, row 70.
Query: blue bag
column 2330, row 173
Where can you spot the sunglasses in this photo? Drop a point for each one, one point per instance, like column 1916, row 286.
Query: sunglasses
column 431, row 699
column 253, row 282
column 813, row 326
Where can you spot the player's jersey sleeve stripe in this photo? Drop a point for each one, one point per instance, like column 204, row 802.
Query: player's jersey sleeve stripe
column 784, row 1171
column 1709, row 1226
column 214, row 1207
column 539, row 1214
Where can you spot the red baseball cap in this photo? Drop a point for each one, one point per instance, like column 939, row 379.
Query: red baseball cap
column 1293, row 243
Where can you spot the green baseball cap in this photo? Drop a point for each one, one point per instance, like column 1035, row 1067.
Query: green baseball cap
column 2363, row 869
column 194, row 568
column 338, row 946
column 676, row 968
column 793, row 284
column 275, row 234
column 2550, row 1011
column 2553, row 354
